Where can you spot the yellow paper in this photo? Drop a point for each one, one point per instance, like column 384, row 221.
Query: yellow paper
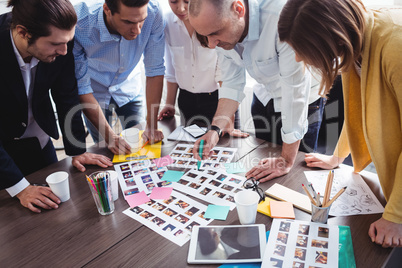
column 150, row 151
column 264, row 208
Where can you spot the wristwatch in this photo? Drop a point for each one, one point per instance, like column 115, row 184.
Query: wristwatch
column 217, row 129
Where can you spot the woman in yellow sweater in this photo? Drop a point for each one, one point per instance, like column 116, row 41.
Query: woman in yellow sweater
column 366, row 47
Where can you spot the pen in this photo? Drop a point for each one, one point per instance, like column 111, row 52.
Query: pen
column 200, row 152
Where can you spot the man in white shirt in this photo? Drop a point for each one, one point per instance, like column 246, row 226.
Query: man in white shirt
column 245, row 34
column 36, row 53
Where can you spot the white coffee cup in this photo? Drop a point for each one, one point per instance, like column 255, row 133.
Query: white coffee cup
column 246, row 203
column 115, row 184
column 59, row 185
column 132, row 137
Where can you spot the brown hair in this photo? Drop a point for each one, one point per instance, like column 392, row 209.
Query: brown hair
column 114, row 6
column 320, row 31
column 37, row 15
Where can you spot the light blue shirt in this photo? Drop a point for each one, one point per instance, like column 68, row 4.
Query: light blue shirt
column 272, row 64
column 105, row 64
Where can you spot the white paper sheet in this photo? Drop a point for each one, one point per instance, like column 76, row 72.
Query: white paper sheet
column 137, row 176
column 214, row 186
column 182, row 156
column 179, row 134
column 172, row 218
column 358, row 197
column 294, row 243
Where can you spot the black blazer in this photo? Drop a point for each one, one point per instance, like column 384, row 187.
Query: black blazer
column 59, row 78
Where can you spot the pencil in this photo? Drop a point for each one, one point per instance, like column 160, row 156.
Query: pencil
column 328, row 187
column 309, row 195
column 144, row 144
column 318, row 200
column 91, row 182
column 335, row 197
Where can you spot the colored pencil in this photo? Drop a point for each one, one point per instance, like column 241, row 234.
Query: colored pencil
column 328, row 187
column 144, row 144
column 200, row 152
column 341, row 191
column 309, row 195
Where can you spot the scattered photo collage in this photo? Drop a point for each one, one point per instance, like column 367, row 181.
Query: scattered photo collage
column 173, row 218
column 182, row 156
column 301, row 244
column 138, row 176
column 214, row 186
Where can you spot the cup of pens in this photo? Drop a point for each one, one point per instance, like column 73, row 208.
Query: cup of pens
column 100, row 184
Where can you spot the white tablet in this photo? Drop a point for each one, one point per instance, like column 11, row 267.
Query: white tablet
column 227, row 244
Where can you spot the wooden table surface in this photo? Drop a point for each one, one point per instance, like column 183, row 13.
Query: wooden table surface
column 76, row 235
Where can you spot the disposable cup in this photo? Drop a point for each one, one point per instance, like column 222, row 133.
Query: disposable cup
column 246, row 203
column 58, row 183
column 100, row 185
column 132, row 137
column 319, row 214
column 114, row 184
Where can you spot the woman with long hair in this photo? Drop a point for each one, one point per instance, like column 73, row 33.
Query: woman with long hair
column 365, row 46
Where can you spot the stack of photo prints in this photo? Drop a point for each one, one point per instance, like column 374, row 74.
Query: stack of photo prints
column 182, row 156
column 138, row 176
column 295, row 243
column 173, row 218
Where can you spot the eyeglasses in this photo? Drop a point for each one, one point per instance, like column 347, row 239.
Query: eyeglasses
column 252, row 183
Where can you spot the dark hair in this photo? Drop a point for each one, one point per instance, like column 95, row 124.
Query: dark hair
column 37, row 15
column 320, row 31
column 113, row 5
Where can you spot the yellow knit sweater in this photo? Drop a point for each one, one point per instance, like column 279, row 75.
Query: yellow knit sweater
column 373, row 107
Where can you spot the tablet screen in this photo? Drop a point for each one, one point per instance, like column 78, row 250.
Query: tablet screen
column 220, row 244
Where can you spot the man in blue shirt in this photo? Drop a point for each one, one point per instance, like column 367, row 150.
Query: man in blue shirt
column 109, row 42
column 245, row 34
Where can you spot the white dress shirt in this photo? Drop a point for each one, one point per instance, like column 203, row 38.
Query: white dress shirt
column 191, row 66
column 272, row 64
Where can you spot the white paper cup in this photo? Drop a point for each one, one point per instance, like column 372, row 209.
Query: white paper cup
column 114, row 184
column 132, row 137
column 246, row 203
column 58, row 183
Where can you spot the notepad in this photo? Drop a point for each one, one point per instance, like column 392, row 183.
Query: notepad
column 263, row 207
column 282, row 209
column 283, row 193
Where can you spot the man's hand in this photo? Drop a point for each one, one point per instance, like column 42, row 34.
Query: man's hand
column 167, row 112
column 118, row 145
column 269, row 168
column 322, row 161
column 386, row 233
column 238, row 133
column 38, row 196
column 211, row 138
column 152, row 135
column 91, row 159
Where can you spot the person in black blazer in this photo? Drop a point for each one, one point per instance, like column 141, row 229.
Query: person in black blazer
column 36, row 55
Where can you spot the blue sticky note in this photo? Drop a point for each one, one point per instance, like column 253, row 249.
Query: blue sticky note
column 217, row 212
column 172, row 175
column 235, row 168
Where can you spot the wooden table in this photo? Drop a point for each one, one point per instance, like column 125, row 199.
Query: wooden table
column 76, row 235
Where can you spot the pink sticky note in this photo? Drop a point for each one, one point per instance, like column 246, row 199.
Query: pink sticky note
column 137, row 199
column 163, row 161
column 281, row 209
column 161, row 193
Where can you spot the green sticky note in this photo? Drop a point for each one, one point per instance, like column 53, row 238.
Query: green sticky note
column 172, row 175
column 235, row 168
column 217, row 212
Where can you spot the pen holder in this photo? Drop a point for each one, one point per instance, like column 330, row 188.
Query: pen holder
column 99, row 183
column 319, row 214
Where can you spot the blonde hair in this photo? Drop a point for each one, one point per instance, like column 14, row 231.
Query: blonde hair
column 323, row 31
